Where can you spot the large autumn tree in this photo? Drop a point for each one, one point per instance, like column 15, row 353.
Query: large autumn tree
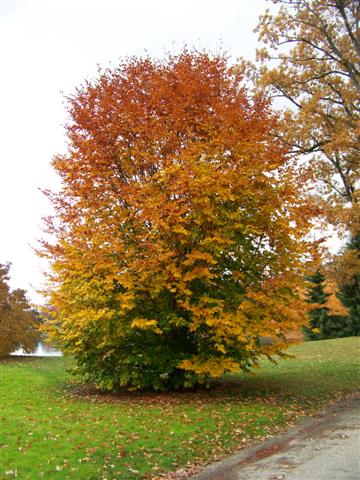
column 311, row 60
column 180, row 226
column 18, row 322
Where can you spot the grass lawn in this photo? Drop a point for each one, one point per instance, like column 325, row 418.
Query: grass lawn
column 50, row 431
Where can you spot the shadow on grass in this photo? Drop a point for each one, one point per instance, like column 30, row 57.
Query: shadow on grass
column 228, row 390
column 262, row 387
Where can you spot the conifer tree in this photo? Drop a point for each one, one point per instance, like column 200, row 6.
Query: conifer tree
column 349, row 293
column 319, row 315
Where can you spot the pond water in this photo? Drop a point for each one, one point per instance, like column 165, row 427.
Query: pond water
column 42, row 350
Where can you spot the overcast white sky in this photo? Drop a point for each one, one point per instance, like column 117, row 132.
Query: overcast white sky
column 47, row 49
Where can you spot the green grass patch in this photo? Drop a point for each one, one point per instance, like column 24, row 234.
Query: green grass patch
column 49, row 430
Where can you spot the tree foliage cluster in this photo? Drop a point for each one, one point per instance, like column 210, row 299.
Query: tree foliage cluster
column 311, row 60
column 180, row 227
column 18, row 322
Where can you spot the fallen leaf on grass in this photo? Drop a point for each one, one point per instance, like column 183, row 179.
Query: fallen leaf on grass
column 132, row 470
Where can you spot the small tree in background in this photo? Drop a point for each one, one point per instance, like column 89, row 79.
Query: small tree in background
column 319, row 318
column 337, row 298
column 349, row 293
column 180, row 226
column 18, row 322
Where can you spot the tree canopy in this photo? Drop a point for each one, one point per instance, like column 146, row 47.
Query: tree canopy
column 180, row 226
column 18, row 322
column 311, row 59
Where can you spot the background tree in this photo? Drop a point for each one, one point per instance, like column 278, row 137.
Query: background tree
column 318, row 316
column 328, row 318
column 18, row 322
column 315, row 47
column 348, row 273
column 180, row 226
